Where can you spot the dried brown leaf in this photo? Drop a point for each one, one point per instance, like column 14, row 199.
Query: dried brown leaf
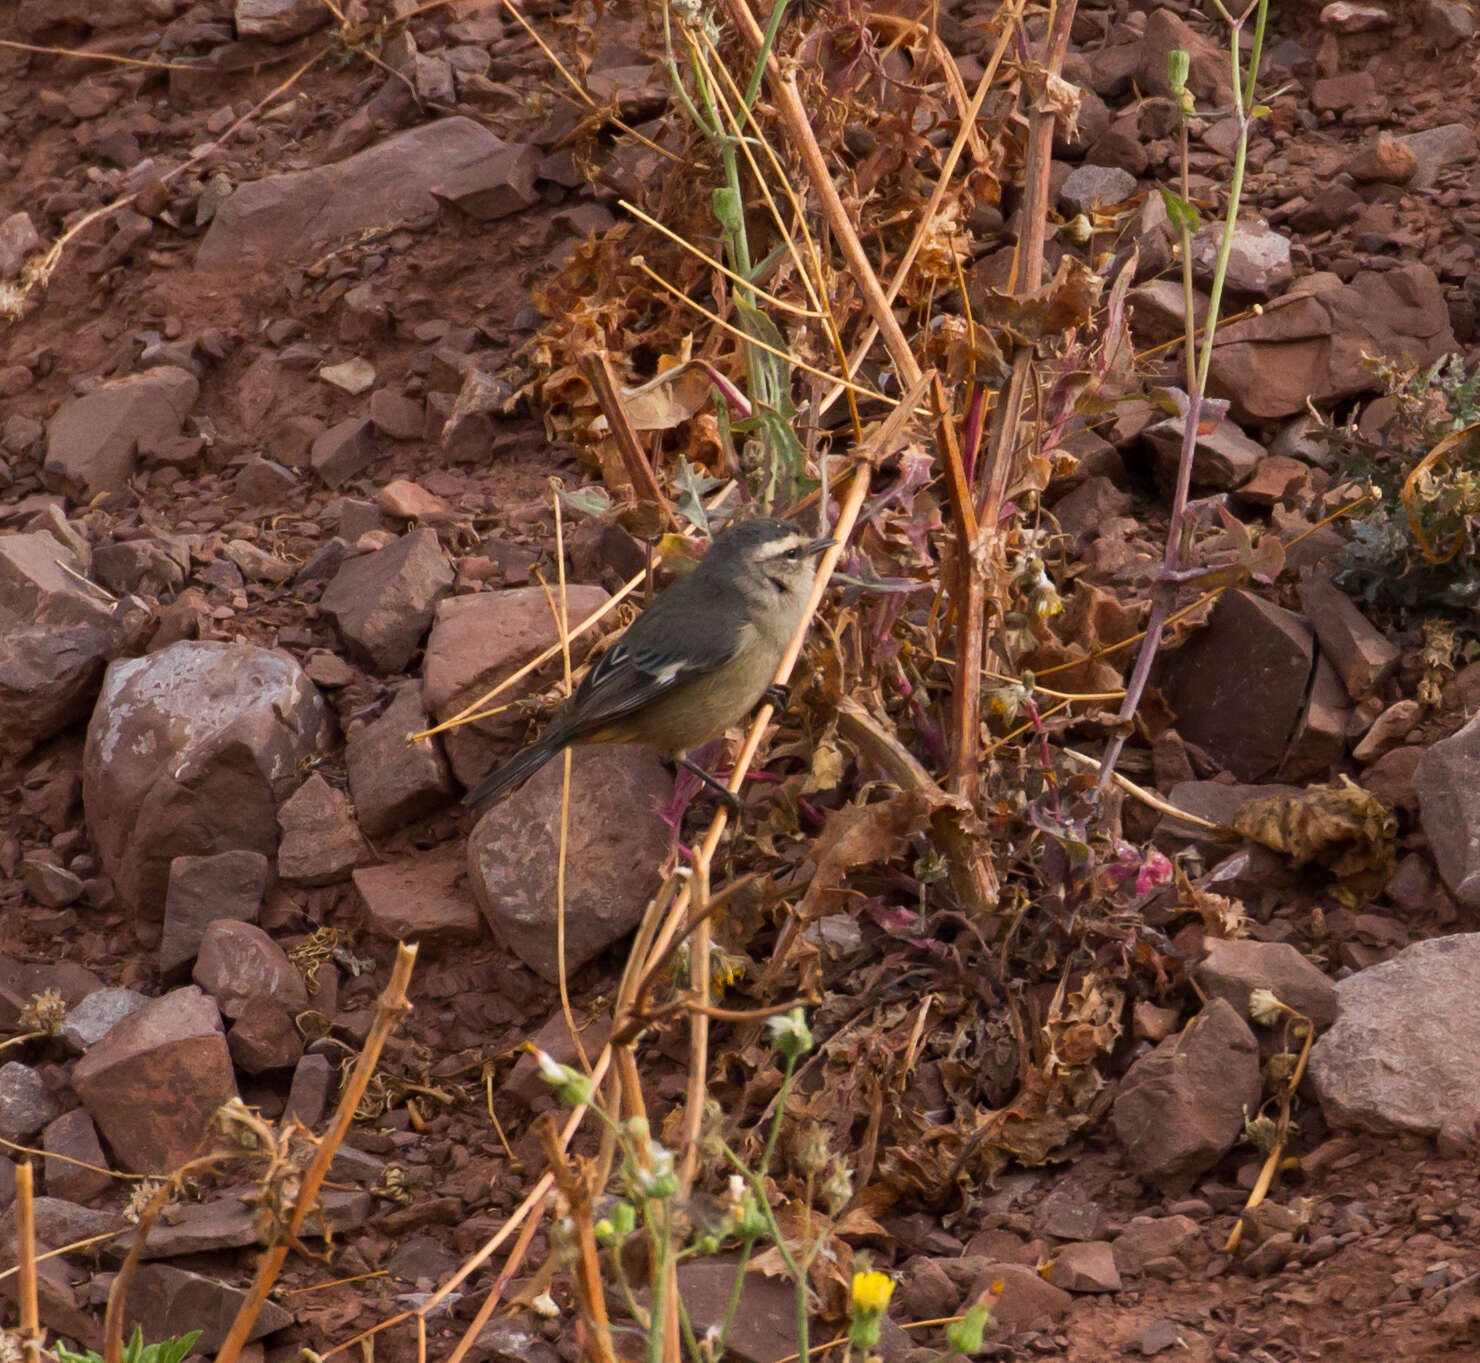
column 1340, row 826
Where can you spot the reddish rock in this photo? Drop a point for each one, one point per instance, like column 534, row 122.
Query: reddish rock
column 1319, row 743
column 477, row 641
column 166, row 1302
column 1388, row 730
column 1311, row 346
column 1181, row 1108
column 396, row 416
column 1349, row 16
column 1392, row 778
column 199, row 1227
column 1085, row 1267
column 1446, row 23
column 263, row 1038
column 1258, row 258
column 1026, row 1301
column 18, row 240
column 188, row 753
column 422, row 899
column 321, row 841
column 1447, row 783
column 274, row 21
column 1157, row 311
column 56, row 637
column 382, row 603
column 203, row 889
column 1146, row 1238
column 1449, row 144
column 1208, row 76
column 71, row 1142
column 411, row 502
column 1242, row 715
column 92, row 443
column 238, row 962
column 1361, row 655
column 1337, row 94
column 293, row 216
column 1085, row 510
column 1223, row 458
column 1405, row 1049
column 1232, row 970
column 346, row 449
column 50, row 885
column 765, row 1325
column 395, row 783
column 150, row 567
column 493, row 186
column 263, row 482
column 313, row 1083
column 154, row 1082
column 256, row 565
column 615, row 845
column 1384, row 160
column 1276, row 479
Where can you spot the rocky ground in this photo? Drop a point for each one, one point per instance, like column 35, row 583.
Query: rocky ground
column 271, row 502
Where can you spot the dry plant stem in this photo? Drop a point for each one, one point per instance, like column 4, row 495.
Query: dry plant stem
column 390, row 1008
column 71, row 1248
column 562, row 627
column 576, row 1193
column 1148, row 798
column 575, row 85
column 971, row 876
column 970, row 593
column 1161, row 605
column 495, row 1293
column 25, row 1243
column 700, row 942
column 598, row 371
column 1282, row 1131
column 1027, row 276
column 1011, row 15
column 793, row 113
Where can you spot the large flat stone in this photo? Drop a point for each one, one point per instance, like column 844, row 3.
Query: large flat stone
column 295, row 215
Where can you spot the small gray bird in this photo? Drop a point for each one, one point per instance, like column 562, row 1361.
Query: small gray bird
column 698, row 659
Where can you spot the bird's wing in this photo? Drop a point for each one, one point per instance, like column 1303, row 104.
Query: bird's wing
column 649, row 661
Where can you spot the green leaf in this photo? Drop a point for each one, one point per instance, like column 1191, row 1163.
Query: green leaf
column 1260, row 111
column 591, row 500
column 1183, row 214
column 693, row 485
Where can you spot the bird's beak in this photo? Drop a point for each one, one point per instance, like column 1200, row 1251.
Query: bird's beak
column 819, row 546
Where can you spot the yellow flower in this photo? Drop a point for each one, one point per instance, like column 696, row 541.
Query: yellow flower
column 871, row 1291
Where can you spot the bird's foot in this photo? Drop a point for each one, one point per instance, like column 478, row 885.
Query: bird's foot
column 731, row 800
column 777, row 696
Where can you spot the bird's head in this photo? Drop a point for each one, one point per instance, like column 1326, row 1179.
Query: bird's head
column 767, row 555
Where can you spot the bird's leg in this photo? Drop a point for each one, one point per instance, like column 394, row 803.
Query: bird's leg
column 731, row 799
column 777, row 696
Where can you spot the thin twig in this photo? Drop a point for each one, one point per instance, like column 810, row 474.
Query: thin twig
column 391, row 1007
column 597, row 368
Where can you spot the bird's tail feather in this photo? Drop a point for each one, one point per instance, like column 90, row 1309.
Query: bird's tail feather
column 518, row 769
